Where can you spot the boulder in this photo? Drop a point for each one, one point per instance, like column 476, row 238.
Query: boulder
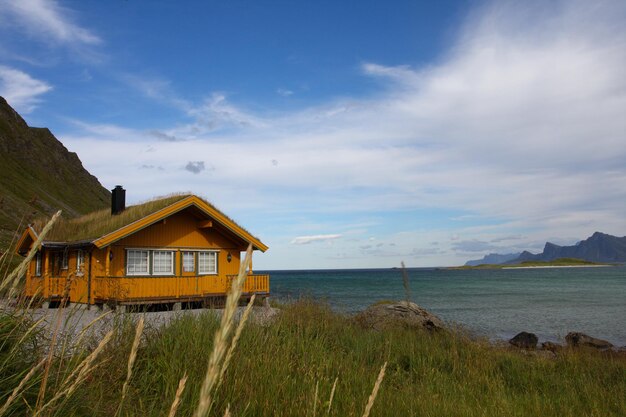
column 576, row 339
column 525, row 340
column 398, row 313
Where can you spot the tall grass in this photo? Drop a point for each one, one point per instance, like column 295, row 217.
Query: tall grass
column 277, row 369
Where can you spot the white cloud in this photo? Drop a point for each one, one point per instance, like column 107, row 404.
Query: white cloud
column 284, row 92
column 158, row 89
column 20, row 89
column 109, row 131
column 217, row 113
column 305, row 240
column 46, row 20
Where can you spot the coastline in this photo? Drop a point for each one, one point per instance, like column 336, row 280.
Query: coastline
column 554, row 266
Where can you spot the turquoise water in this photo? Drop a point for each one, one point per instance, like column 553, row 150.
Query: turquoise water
column 495, row 303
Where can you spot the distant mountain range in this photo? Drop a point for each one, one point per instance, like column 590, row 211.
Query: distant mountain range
column 39, row 176
column 599, row 247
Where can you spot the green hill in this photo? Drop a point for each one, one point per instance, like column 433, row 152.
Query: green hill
column 39, row 176
column 525, row 264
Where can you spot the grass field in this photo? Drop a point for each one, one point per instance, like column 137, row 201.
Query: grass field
column 289, row 368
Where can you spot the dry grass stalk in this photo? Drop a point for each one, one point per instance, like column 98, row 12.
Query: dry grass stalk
column 405, row 282
column 14, row 276
column 233, row 344
column 65, row 297
column 227, row 411
column 332, row 395
column 317, row 385
column 33, row 299
column 60, row 318
column 21, row 385
column 370, row 401
column 22, row 339
column 79, row 374
column 179, row 393
column 51, row 349
column 86, row 365
column 83, row 332
column 131, row 361
column 220, row 343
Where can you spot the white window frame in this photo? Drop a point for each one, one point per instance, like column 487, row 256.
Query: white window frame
column 139, row 273
column 154, row 258
column 186, row 253
column 200, row 265
column 80, row 261
column 38, row 264
column 65, row 260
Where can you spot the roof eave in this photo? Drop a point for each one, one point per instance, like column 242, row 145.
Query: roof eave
column 75, row 244
column 29, row 232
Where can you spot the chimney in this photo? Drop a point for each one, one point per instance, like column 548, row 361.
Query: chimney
column 118, row 200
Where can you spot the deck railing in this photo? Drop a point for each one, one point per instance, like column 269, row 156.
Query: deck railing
column 254, row 283
column 175, row 287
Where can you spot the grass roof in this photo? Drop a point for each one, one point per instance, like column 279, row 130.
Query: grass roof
column 100, row 223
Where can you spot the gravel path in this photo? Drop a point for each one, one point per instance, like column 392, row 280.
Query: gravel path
column 77, row 320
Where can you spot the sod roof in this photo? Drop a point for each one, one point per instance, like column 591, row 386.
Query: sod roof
column 100, row 223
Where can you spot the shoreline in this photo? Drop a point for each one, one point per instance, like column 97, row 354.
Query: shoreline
column 553, row 266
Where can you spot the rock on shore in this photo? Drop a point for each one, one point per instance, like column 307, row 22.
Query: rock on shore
column 577, row 339
column 525, row 340
column 398, row 313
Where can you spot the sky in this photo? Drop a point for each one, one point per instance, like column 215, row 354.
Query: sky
column 352, row 134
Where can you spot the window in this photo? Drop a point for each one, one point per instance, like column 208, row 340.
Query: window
column 80, row 260
column 137, row 262
column 38, row 264
column 162, row 262
column 64, row 260
column 189, row 262
column 207, row 262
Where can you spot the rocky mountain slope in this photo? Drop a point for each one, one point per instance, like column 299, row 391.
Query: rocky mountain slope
column 38, row 176
column 600, row 247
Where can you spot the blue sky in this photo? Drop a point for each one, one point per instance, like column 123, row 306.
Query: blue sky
column 343, row 134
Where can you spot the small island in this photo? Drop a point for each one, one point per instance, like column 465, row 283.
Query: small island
column 557, row 263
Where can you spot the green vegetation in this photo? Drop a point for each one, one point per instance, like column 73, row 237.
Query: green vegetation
column 100, row 223
column 39, row 176
column 277, row 370
column 526, row 264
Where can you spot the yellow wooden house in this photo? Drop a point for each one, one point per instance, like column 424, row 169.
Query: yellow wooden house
column 170, row 250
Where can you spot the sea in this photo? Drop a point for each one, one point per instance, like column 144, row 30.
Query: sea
column 494, row 303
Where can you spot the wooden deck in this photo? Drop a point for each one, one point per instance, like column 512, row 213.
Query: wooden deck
column 175, row 288
column 142, row 290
